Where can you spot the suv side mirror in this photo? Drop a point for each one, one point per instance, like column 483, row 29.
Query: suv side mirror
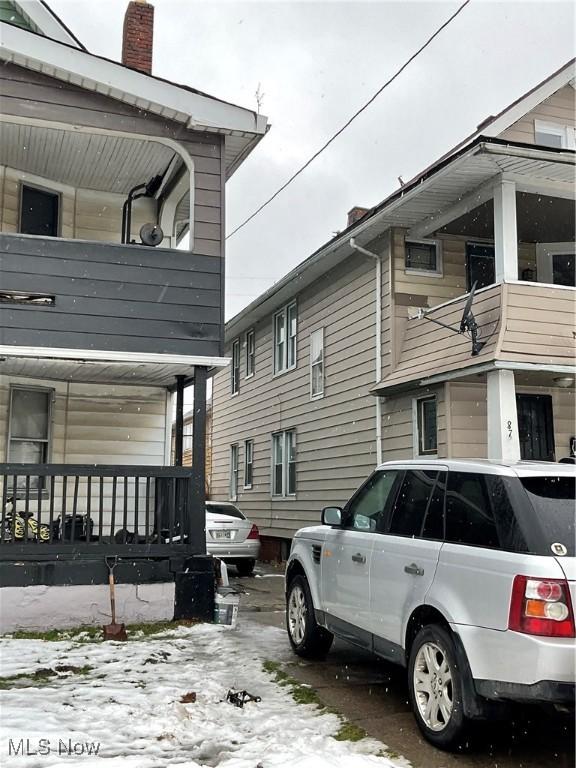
column 331, row 516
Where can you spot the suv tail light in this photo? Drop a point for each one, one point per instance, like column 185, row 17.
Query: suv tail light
column 254, row 533
column 541, row 607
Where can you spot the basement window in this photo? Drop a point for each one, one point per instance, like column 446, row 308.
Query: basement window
column 19, row 297
column 423, row 256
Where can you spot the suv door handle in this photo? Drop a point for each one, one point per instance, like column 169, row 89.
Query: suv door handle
column 414, row 569
column 358, row 558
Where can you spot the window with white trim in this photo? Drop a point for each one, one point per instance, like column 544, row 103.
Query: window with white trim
column 284, row 463
column 235, row 369
column 250, row 353
column 423, row 256
column 234, row 464
column 554, row 135
column 285, row 326
column 248, row 463
column 426, row 426
column 39, row 211
column 317, row 363
column 29, row 428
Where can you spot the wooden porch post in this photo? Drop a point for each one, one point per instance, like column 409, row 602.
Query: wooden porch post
column 503, row 439
column 198, row 493
column 505, row 231
column 179, row 426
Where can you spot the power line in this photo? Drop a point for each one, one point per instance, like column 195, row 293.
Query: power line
column 350, row 121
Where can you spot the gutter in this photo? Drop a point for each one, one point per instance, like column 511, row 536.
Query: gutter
column 378, row 354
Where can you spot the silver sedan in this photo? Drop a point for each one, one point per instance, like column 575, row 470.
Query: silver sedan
column 231, row 536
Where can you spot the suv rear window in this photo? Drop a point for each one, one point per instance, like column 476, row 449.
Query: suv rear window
column 553, row 500
column 225, row 509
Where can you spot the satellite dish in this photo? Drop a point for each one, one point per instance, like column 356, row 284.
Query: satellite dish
column 151, row 234
column 468, row 323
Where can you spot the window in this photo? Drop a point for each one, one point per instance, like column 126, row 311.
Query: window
column 39, row 211
column 425, row 417
column 417, row 507
column 234, row 451
column 248, row 463
column 556, row 263
column 554, row 135
column 480, row 265
column 563, row 269
column 29, row 427
column 317, row 363
column 368, row 508
column 285, row 323
column 250, row 353
column 235, row 370
column 469, row 515
column 423, row 256
column 284, row 463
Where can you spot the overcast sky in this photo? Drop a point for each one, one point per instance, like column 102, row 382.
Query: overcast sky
column 316, row 63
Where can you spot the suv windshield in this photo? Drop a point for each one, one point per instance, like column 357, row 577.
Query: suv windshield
column 225, row 509
column 553, row 499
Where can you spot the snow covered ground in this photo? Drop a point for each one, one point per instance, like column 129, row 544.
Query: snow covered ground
column 129, row 704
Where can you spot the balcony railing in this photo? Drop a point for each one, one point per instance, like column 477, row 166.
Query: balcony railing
column 60, row 511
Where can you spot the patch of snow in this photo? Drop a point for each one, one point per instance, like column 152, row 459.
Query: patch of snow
column 129, row 704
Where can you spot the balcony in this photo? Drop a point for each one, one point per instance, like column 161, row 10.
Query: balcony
column 80, row 295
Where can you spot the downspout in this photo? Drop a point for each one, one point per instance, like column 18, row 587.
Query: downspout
column 378, row 356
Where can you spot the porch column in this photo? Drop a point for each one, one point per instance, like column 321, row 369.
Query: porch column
column 503, row 439
column 505, row 231
column 179, row 424
column 198, row 491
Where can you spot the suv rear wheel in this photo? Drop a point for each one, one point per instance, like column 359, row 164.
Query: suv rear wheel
column 435, row 688
column 306, row 637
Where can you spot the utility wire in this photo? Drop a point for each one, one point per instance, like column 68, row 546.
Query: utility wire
column 350, row 121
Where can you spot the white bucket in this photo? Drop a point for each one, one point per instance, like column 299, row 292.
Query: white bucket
column 226, row 609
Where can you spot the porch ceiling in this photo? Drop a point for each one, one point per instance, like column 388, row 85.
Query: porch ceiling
column 89, row 161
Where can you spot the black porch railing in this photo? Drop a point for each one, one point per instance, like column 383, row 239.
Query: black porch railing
column 50, row 511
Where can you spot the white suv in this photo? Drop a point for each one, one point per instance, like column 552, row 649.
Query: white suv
column 461, row 571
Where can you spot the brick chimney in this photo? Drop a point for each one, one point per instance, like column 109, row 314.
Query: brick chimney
column 137, row 36
column 355, row 214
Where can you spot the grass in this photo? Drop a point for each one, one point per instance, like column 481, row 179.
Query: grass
column 41, row 676
column 85, row 634
column 304, row 694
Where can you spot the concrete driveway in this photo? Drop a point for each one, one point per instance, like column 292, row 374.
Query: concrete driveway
column 373, row 694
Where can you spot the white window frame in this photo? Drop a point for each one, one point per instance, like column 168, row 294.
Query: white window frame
column 285, row 365
column 248, row 454
column 438, row 272
column 417, row 453
column 566, row 132
column 234, row 471
column 544, row 254
column 48, row 440
column 47, row 190
column 284, row 492
column 318, row 333
column 235, row 368
column 250, row 356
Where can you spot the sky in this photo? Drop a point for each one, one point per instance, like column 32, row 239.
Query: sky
column 315, row 64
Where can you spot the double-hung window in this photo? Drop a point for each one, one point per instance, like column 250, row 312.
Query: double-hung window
column 29, row 427
column 423, row 256
column 284, row 463
column 235, row 370
column 317, row 363
column 250, row 353
column 234, row 456
column 248, row 463
column 554, row 135
column 285, row 325
column 425, row 418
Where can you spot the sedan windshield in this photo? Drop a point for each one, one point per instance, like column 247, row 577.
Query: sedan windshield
column 225, row 509
column 553, row 499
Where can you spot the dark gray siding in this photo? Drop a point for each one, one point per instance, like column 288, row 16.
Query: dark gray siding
column 111, row 297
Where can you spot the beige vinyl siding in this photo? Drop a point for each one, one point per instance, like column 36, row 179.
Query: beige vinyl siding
column 98, row 424
column 539, row 325
column 468, row 415
column 398, row 438
column 335, row 435
column 559, row 108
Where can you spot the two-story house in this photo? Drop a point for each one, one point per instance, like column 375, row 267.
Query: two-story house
column 104, row 170
column 367, row 351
